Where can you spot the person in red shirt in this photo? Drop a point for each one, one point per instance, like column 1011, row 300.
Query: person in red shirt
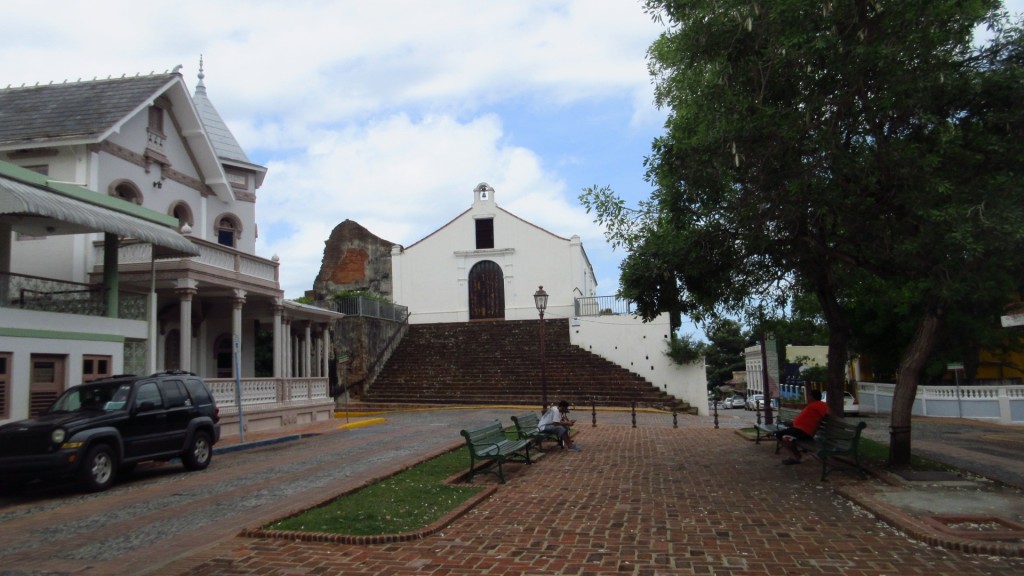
column 804, row 426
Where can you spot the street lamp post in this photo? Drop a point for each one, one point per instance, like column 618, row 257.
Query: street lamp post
column 540, row 298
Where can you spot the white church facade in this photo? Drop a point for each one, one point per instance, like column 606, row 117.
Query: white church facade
column 486, row 264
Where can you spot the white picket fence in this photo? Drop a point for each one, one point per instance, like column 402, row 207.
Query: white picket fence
column 1000, row 403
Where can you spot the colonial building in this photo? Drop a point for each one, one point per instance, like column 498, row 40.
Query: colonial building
column 127, row 244
column 487, row 264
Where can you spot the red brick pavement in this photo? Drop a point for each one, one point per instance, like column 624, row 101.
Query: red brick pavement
column 642, row 501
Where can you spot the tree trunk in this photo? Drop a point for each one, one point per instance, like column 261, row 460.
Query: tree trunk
column 838, row 341
column 911, row 365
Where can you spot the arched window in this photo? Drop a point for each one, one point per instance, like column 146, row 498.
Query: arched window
column 127, row 191
column 183, row 213
column 228, row 230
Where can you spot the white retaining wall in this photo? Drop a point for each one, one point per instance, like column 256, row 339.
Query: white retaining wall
column 1004, row 403
column 640, row 348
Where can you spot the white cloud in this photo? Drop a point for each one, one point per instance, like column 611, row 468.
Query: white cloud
column 401, row 179
column 386, row 113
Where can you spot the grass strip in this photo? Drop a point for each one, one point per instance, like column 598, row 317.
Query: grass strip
column 407, row 501
column 874, row 453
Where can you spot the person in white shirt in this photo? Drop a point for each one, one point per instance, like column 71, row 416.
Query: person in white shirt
column 552, row 421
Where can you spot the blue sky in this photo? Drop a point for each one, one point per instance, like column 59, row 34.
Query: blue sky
column 387, row 112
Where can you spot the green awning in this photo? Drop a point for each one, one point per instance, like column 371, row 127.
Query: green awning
column 40, row 211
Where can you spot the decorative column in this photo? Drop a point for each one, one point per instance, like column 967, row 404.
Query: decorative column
column 286, row 348
column 236, row 328
column 111, row 280
column 5, row 261
column 325, row 357
column 278, row 344
column 307, row 351
column 185, row 288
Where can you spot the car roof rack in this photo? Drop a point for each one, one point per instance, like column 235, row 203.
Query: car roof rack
column 174, row 373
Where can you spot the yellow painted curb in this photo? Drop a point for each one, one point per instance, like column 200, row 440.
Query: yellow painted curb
column 580, row 409
column 361, row 423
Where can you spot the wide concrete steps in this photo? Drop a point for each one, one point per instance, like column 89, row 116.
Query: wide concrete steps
column 500, row 363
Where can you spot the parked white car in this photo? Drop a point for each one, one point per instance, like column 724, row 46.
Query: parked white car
column 755, row 402
column 850, row 406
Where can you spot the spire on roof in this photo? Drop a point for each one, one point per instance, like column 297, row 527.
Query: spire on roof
column 224, row 143
column 201, row 87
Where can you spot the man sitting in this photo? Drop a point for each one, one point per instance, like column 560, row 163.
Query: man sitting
column 551, row 421
column 804, row 426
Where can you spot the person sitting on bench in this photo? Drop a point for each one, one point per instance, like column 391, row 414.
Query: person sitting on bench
column 551, row 421
column 804, row 426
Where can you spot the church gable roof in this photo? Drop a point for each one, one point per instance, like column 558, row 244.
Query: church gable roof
column 73, row 111
column 467, row 214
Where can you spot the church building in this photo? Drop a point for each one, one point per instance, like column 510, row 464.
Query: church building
column 487, row 264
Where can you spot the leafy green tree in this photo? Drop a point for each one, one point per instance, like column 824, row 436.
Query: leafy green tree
column 724, row 352
column 823, row 144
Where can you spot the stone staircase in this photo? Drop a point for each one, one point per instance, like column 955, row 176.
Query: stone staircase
column 498, row 362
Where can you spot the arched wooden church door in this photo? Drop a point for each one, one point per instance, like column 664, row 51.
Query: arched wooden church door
column 486, row 291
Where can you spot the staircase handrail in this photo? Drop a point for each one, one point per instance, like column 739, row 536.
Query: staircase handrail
column 382, row 358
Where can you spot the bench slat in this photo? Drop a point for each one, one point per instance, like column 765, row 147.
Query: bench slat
column 783, row 418
column 836, row 438
column 489, row 442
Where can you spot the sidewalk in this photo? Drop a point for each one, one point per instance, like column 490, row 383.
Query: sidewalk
column 659, row 500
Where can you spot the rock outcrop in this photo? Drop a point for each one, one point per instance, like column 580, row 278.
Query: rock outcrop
column 354, row 260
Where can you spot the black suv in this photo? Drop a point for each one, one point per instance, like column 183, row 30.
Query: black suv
column 94, row 430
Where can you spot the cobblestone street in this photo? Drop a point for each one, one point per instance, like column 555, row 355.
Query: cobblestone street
column 648, row 500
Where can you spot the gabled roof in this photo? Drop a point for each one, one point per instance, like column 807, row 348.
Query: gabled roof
column 73, row 111
column 88, row 112
column 469, row 210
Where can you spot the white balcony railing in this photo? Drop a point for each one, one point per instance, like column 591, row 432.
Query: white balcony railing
column 213, row 255
column 267, row 392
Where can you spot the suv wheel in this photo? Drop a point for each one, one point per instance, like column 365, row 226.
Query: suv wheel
column 97, row 471
column 199, row 452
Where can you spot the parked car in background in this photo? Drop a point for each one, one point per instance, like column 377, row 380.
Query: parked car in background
column 850, row 405
column 755, row 402
column 737, row 402
column 96, row 430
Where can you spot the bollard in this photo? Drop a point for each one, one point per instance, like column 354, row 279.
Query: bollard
column 716, row 414
column 675, row 416
column 757, row 410
column 593, row 414
column 634, row 413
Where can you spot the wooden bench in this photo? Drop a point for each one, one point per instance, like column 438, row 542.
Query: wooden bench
column 836, row 438
column 527, row 429
column 488, row 442
column 783, row 418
